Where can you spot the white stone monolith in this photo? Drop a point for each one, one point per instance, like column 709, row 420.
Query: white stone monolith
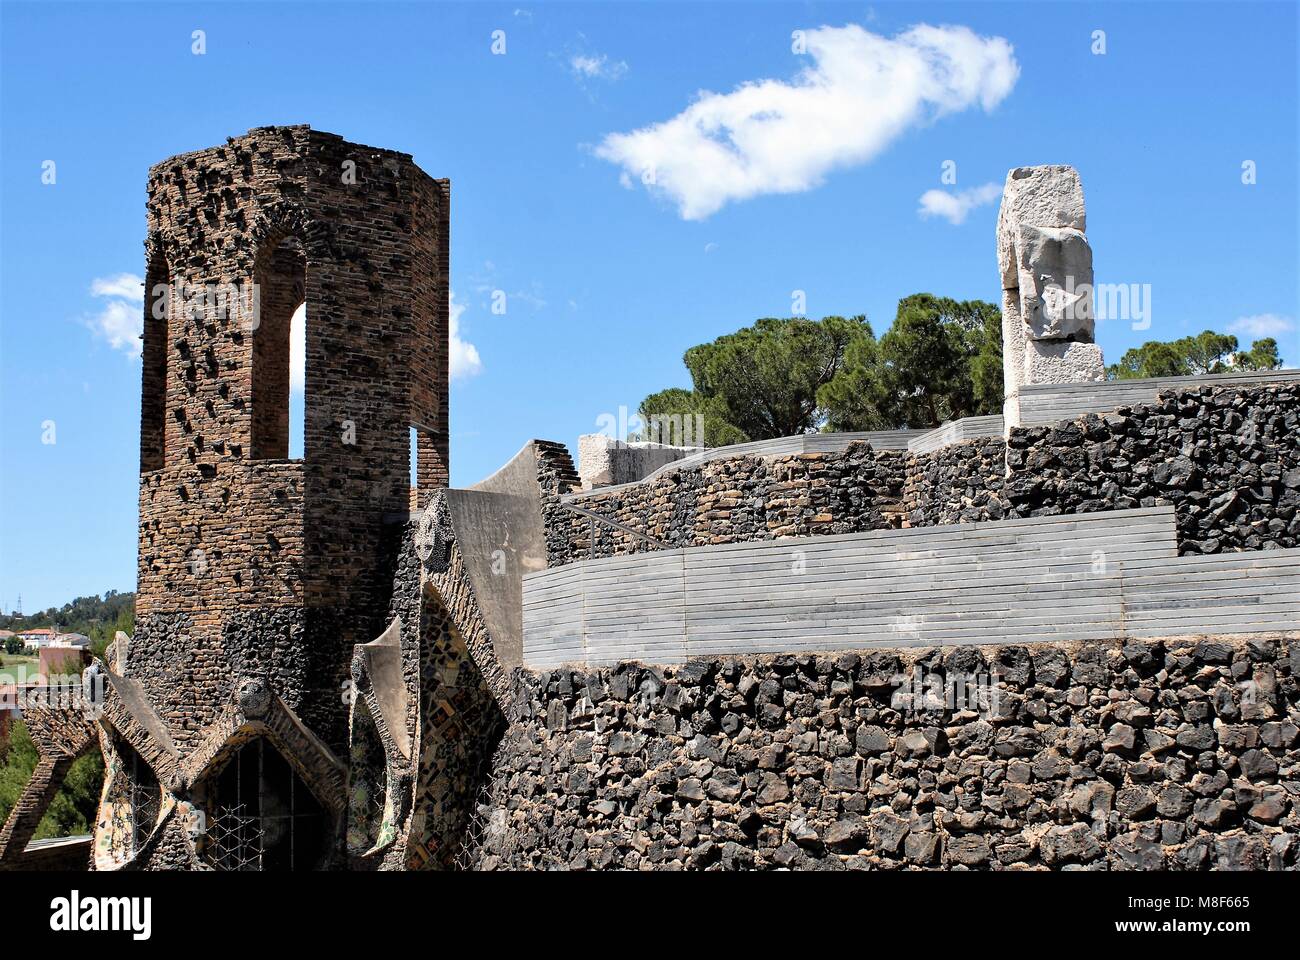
column 1046, row 268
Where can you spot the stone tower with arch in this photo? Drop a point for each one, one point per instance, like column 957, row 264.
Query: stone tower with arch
column 260, row 572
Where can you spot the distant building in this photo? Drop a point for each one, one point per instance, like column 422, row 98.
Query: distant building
column 35, row 639
column 62, row 658
column 70, row 640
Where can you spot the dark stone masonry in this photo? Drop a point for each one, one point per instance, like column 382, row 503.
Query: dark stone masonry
column 1093, row 757
column 740, row 499
column 326, row 666
column 1227, row 458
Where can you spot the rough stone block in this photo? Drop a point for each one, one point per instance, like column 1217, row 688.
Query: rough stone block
column 604, row 461
column 1063, row 361
column 1045, row 196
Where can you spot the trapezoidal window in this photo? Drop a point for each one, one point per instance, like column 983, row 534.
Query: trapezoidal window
column 153, row 388
column 368, row 783
column 277, row 368
column 137, row 794
column 261, row 814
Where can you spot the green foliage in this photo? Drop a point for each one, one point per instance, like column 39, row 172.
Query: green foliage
column 1152, row 359
column 765, row 377
column 13, row 646
column 1262, row 355
column 986, row 364
column 857, row 397
column 74, row 807
column 1206, row 353
column 675, row 409
column 941, row 360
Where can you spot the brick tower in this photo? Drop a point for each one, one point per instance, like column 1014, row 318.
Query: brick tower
column 259, row 572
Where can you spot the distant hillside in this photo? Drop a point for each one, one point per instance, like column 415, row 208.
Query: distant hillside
column 97, row 617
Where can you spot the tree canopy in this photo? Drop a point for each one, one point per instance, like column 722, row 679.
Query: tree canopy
column 74, row 807
column 667, row 417
column 941, row 359
column 1207, row 352
column 766, row 376
column 762, row 381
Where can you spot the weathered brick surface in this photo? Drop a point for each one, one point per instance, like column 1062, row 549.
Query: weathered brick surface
column 230, row 529
column 252, row 564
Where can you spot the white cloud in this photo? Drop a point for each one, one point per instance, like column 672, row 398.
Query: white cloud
column 861, row 92
column 1262, row 325
column 463, row 360
column 127, row 286
column 598, row 67
column 120, row 324
column 954, row 207
column 121, row 321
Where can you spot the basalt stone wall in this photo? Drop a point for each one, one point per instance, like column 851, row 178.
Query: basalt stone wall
column 737, row 500
column 960, row 483
column 460, row 725
column 556, row 476
column 1128, row 757
column 1227, row 458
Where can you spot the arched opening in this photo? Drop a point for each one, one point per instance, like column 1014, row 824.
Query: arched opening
column 261, row 815
column 413, row 450
column 145, row 797
column 428, row 472
column 298, row 382
column 153, row 389
column 281, row 278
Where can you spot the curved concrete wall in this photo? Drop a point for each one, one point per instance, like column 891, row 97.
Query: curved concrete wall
column 498, row 525
column 1099, row 576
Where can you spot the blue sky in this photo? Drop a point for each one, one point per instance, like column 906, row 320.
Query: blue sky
column 606, row 280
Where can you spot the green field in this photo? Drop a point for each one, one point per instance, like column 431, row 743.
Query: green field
column 17, row 669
